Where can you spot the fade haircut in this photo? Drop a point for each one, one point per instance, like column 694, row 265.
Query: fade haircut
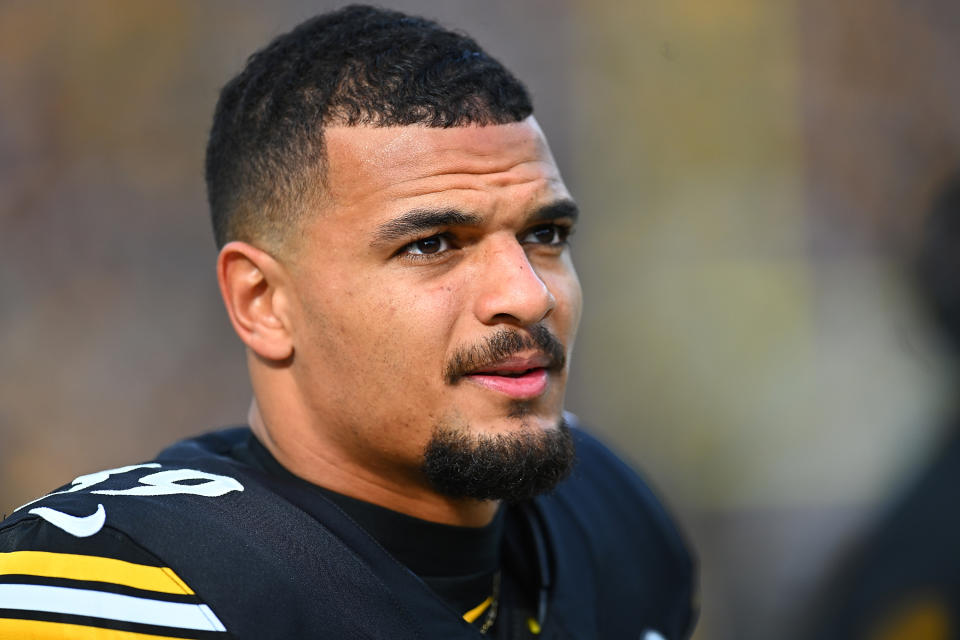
column 359, row 65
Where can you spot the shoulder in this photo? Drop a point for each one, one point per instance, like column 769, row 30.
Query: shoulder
column 217, row 530
column 181, row 480
column 80, row 559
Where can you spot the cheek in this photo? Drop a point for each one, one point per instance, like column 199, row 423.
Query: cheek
column 407, row 327
column 426, row 314
column 566, row 291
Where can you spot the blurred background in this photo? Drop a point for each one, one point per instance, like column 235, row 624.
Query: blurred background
column 753, row 176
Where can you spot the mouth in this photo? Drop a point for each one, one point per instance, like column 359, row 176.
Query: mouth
column 518, row 378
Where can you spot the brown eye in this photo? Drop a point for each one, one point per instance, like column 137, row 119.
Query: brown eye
column 546, row 234
column 428, row 246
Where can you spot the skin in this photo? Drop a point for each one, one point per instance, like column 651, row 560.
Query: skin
column 350, row 328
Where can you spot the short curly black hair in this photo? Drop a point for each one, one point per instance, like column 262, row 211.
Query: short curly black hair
column 359, row 65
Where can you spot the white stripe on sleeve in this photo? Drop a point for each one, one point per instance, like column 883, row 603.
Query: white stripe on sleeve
column 111, row 606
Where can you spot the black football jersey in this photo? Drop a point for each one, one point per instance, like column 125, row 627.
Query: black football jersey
column 198, row 545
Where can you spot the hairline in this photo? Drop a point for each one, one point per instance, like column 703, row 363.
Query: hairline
column 313, row 197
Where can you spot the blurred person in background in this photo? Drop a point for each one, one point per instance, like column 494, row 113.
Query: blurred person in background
column 903, row 583
column 393, row 236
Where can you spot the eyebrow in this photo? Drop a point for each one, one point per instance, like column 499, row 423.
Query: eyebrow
column 418, row 221
column 555, row 210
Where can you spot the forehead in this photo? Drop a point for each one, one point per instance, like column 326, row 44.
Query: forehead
column 401, row 163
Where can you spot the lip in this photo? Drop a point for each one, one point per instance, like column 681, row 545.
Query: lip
column 529, row 385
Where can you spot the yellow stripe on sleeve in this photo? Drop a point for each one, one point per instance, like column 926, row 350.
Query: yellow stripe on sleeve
column 40, row 630
column 77, row 567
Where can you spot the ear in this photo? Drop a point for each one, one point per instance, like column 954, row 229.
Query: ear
column 252, row 284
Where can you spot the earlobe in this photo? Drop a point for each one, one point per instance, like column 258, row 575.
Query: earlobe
column 252, row 286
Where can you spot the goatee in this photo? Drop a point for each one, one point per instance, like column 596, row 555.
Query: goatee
column 513, row 467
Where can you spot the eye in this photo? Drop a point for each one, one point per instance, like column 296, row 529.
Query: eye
column 427, row 246
column 548, row 234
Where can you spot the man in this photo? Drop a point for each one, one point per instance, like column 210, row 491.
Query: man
column 393, row 254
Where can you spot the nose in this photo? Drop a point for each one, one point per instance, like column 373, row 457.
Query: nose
column 509, row 289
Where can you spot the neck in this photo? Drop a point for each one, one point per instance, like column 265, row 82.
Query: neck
column 305, row 453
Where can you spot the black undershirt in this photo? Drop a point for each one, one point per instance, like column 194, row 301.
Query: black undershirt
column 458, row 563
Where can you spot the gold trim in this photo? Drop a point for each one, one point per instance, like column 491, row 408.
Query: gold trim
column 42, row 630
column 78, row 567
column 472, row 615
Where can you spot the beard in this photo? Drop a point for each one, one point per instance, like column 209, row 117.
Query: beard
column 512, row 467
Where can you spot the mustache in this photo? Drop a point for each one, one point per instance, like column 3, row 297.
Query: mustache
column 503, row 344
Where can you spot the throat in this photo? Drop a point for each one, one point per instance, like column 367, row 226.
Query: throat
column 457, row 563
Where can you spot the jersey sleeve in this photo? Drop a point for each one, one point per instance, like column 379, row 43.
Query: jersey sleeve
column 55, row 583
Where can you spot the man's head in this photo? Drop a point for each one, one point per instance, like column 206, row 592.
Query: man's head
column 394, row 256
column 356, row 66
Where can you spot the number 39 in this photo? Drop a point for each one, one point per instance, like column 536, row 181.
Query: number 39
column 161, row 483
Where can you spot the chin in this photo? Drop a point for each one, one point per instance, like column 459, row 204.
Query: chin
column 513, row 464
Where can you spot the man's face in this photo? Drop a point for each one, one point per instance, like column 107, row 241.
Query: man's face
column 433, row 290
